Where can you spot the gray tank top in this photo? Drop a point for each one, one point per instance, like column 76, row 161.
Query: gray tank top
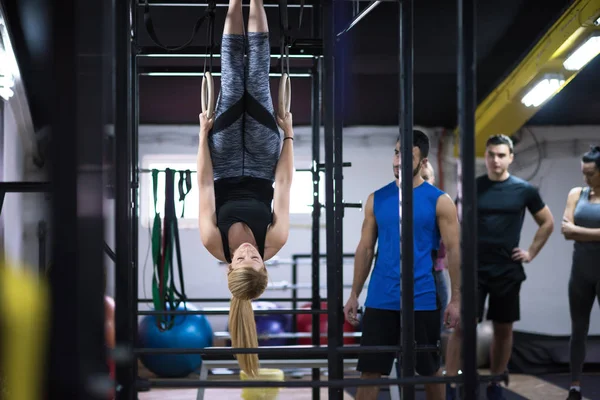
column 587, row 215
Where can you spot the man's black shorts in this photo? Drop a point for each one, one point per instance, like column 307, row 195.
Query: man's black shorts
column 382, row 328
column 503, row 286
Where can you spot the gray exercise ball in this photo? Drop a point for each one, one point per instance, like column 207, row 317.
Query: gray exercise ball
column 485, row 334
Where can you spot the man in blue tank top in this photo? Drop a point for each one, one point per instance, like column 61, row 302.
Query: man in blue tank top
column 501, row 203
column 435, row 217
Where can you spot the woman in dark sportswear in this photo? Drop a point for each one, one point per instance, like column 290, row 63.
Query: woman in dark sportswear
column 241, row 155
column 581, row 223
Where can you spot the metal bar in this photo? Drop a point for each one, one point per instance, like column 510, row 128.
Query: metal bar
column 285, row 351
column 340, row 383
column 109, row 252
column 315, row 255
column 299, row 49
column 42, row 234
column 225, row 311
column 228, row 299
column 322, row 167
column 309, row 255
column 406, row 192
column 466, row 105
column 125, row 322
column 335, row 289
column 195, row 72
column 135, row 183
column 294, row 292
column 329, row 117
column 2, row 196
column 358, row 17
column 192, row 3
column 77, row 95
column 25, row 187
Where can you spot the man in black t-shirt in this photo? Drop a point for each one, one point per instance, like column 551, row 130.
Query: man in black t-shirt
column 501, row 203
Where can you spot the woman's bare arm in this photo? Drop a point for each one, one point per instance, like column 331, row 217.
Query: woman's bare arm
column 207, row 214
column 284, row 172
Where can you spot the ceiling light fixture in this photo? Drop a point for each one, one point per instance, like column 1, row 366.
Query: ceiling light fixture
column 583, row 54
column 543, row 90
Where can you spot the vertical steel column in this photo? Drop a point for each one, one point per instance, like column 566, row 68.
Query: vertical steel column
column 78, row 96
column 125, row 304
column 135, row 181
column 466, row 121
column 316, row 214
column 406, row 196
column 335, row 365
column 335, row 294
column 316, row 178
column 294, row 293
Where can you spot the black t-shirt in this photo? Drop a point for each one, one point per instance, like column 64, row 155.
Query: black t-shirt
column 501, row 208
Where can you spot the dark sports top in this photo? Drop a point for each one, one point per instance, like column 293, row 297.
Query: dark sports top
column 501, row 208
column 244, row 199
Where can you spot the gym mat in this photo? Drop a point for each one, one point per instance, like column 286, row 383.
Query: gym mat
column 384, row 394
column 590, row 383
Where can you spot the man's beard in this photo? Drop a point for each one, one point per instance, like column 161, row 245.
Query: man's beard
column 398, row 171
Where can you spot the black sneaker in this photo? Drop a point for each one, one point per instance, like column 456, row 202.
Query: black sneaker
column 495, row 392
column 574, row 395
column 451, row 393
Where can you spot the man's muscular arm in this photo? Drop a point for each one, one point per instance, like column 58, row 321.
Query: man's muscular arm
column 447, row 218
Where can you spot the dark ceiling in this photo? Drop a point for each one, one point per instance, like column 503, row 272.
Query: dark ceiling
column 506, row 30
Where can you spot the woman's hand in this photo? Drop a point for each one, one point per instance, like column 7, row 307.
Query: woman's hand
column 567, row 227
column 285, row 124
column 206, row 125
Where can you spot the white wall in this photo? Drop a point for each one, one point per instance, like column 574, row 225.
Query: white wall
column 21, row 211
column 544, row 296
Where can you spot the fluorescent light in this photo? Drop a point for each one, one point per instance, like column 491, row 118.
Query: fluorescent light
column 583, row 55
column 6, row 79
column 542, row 91
column 292, row 75
column 6, row 93
column 597, row 22
column 179, row 55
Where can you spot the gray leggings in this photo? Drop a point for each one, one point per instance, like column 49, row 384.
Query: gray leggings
column 245, row 140
column 584, row 288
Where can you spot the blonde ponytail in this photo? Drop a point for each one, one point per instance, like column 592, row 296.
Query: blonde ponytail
column 245, row 284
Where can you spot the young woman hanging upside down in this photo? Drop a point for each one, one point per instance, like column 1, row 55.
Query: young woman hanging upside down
column 240, row 156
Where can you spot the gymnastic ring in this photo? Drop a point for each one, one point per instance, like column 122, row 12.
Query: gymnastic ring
column 285, row 95
column 208, row 95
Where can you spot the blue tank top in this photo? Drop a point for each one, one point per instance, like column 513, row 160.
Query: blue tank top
column 384, row 286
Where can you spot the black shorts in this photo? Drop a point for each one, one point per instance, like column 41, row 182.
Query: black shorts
column 504, row 293
column 382, row 328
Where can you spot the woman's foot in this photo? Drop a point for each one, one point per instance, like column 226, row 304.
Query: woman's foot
column 574, row 394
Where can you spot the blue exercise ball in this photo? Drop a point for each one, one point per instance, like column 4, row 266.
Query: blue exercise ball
column 187, row 331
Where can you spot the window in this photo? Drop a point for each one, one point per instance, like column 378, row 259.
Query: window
column 188, row 207
column 301, row 193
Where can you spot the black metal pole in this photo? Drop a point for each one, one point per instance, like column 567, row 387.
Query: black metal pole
column 42, row 234
column 466, row 121
column 135, row 183
column 316, row 214
column 406, row 192
column 335, row 364
column 124, row 282
column 335, row 294
column 294, row 293
column 76, row 92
